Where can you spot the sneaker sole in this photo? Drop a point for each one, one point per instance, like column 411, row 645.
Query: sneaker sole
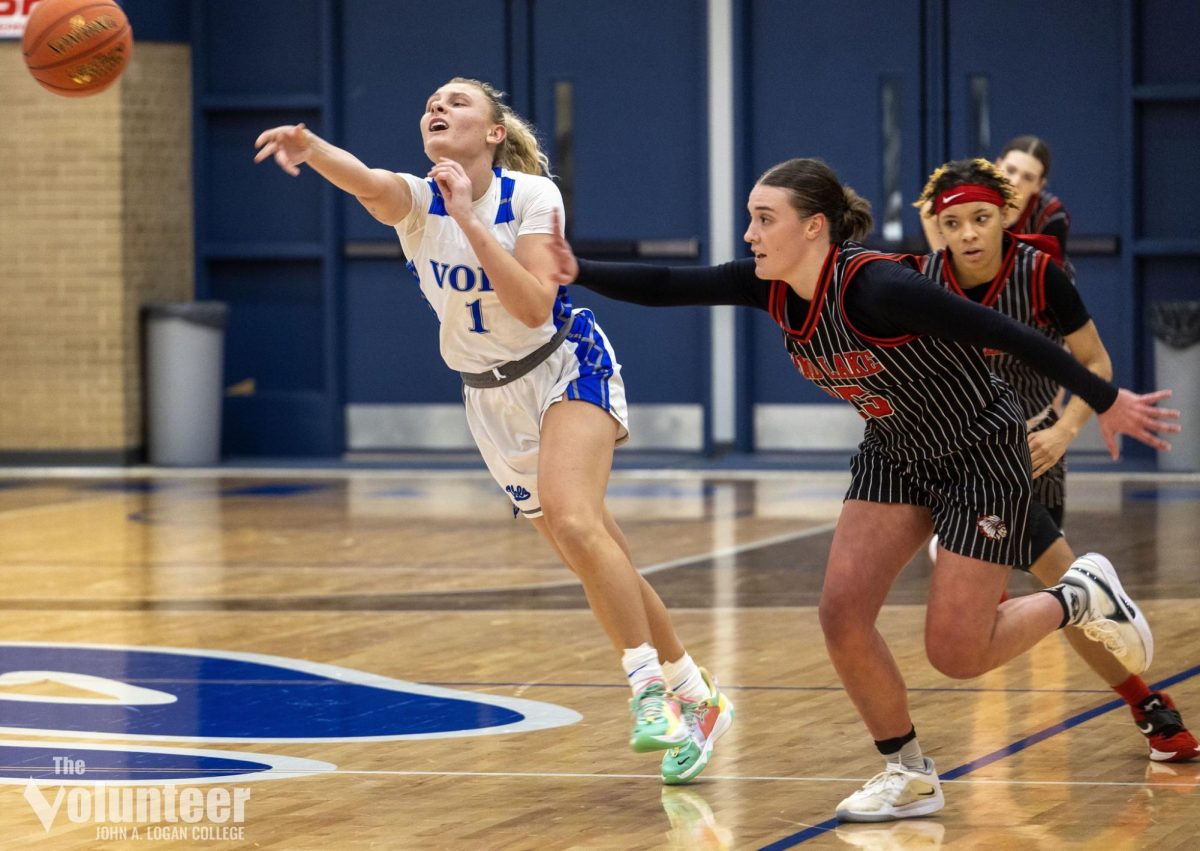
column 1132, row 614
column 914, row 810
column 723, row 724
column 649, row 744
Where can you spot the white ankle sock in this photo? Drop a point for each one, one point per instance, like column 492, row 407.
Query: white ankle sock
column 683, row 678
column 909, row 756
column 641, row 667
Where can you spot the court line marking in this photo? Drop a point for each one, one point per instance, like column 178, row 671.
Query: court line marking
column 657, row 473
column 953, row 774
column 570, row 775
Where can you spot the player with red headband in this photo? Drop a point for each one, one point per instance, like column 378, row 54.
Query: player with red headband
column 944, row 449
column 985, row 263
column 1034, row 212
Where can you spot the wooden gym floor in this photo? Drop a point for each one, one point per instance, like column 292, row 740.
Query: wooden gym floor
column 386, row 659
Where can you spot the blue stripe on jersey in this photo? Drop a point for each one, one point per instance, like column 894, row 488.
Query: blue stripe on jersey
column 437, row 204
column 504, row 212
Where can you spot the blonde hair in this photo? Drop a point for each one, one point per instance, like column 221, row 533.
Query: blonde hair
column 520, row 150
column 957, row 173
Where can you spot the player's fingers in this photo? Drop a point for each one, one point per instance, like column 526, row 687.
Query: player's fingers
column 285, row 163
column 266, row 151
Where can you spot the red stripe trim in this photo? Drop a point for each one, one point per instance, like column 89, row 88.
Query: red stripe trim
column 852, row 268
column 806, row 330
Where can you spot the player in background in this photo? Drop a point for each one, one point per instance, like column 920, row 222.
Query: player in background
column 543, row 390
column 985, row 263
column 944, row 449
column 1037, row 213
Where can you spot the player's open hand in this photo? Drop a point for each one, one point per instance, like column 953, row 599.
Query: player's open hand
column 1139, row 417
column 290, row 144
column 1046, row 447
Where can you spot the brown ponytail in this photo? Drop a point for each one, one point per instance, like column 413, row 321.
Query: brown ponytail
column 816, row 189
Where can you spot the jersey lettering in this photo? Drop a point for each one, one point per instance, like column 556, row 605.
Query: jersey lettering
column 460, row 278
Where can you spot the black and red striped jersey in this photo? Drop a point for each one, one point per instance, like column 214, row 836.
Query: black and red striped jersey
column 1045, row 216
column 1018, row 291
column 922, row 397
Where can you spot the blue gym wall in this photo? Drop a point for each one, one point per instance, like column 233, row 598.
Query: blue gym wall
column 324, row 315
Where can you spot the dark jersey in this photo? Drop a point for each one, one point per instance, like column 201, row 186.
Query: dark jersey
column 888, row 340
column 1036, row 293
column 1045, row 215
column 922, row 397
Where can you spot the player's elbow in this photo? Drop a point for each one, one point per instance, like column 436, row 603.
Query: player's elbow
column 533, row 317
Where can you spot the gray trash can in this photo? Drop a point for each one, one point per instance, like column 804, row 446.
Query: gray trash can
column 184, row 364
column 1176, row 328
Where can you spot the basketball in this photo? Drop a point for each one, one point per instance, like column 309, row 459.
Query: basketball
column 76, row 48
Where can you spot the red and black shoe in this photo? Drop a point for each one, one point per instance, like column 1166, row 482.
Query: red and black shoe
column 1161, row 723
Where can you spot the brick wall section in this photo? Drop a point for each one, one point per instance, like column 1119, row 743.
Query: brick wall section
column 95, row 219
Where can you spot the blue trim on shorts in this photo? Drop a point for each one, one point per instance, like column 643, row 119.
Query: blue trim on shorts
column 595, row 362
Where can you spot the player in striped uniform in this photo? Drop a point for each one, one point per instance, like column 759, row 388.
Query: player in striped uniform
column 543, row 390
column 986, row 264
column 944, row 449
column 1037, row 213
column 1025, row 161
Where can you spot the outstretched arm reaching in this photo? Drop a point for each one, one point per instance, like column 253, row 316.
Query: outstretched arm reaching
column 385, row 194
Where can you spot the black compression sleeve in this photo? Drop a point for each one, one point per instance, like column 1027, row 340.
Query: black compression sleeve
column 886, row 299
column 663, row 286
column 1063, row 303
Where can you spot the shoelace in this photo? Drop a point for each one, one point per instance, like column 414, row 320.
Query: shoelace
column 1106, row 631
column 652, row 707
column 886, row 779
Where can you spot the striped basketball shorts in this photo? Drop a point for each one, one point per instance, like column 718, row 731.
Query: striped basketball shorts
column 506, row 421
column 979, row 497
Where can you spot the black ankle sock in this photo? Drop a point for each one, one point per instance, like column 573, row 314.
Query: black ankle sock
column 891, row 746
column 1057, row 593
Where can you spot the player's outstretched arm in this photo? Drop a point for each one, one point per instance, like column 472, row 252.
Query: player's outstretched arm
column 385, row 194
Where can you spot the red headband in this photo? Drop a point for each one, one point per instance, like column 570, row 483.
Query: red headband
column 966, row 193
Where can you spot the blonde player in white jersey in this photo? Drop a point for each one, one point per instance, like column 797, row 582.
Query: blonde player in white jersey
column 543, row 390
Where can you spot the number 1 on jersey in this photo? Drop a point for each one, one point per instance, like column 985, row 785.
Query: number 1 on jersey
column 476, row 309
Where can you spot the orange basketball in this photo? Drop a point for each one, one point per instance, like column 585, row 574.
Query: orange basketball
column 77, row 47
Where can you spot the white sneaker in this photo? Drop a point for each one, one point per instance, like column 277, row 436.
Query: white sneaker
column 894, row 793
column 1110, row 617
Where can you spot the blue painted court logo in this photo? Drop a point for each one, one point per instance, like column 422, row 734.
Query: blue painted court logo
column 166, row 693
column 518, row 493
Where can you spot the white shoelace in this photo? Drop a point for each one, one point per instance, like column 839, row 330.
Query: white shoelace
column 1108, row 633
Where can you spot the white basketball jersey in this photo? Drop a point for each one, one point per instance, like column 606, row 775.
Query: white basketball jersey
column 477, row 333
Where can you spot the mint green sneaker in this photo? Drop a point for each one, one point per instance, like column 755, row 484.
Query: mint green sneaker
column 707, row 721
column 657, row 721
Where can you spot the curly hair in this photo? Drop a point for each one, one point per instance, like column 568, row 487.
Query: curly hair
column 960, row 172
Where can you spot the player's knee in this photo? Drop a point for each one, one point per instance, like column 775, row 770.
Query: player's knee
column 573, row 529
column 842, row 621
column 950, row 656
